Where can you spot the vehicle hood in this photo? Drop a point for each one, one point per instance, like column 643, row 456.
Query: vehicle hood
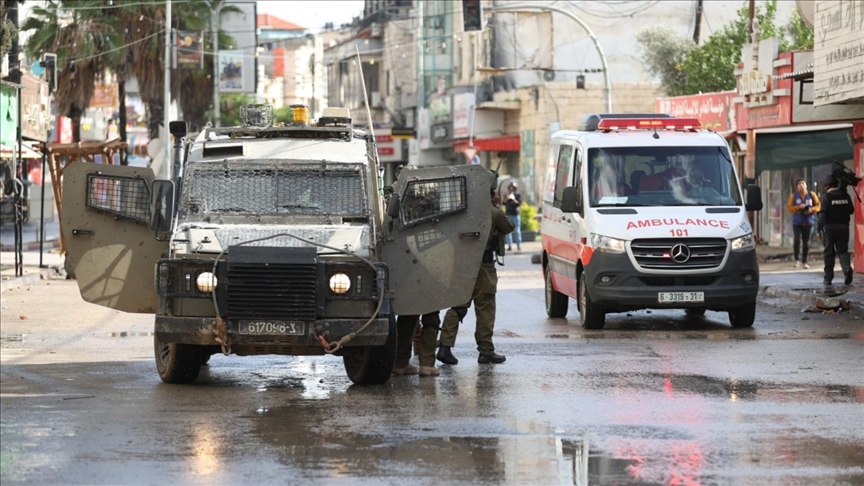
column 217, row 238
column 665, row 222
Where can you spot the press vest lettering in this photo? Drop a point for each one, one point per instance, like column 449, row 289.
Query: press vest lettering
column 839, row 201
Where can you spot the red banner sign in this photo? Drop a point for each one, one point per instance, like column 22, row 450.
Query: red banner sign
column 714, row 110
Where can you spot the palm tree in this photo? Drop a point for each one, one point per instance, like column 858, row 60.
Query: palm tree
column 81, row 48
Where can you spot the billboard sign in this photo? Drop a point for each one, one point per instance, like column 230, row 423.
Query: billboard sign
column 839, row 51
column 716, row 111
column 231, row 71
column 190, row 50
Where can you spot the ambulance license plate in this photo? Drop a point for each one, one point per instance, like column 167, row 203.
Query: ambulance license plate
column 283, row 328
column 676, row 297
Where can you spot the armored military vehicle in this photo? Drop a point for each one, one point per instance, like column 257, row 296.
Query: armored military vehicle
column 273, row 238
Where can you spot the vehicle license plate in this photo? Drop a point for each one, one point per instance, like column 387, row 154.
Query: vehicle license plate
column 272, row 327
column 676, row 297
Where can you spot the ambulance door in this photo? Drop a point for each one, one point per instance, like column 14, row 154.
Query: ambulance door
column 435, row 231
column 109, row 247
column 561, row 244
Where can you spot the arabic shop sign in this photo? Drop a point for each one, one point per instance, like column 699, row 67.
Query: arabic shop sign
column 839, row 51
column 715, row 111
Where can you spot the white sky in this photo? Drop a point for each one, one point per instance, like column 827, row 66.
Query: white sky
column 313, row 14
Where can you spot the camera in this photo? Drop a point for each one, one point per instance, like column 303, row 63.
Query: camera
column 844, row 176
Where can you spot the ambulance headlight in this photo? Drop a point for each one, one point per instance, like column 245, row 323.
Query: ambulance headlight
column 746, row 242
column 340, row 283
column 607, row 244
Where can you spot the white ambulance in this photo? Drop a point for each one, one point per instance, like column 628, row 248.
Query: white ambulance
column 646, row 212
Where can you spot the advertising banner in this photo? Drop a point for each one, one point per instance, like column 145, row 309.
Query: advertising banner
column 462, row 108
column 715, row 111
column 190, row 50
column 839, row 51
column 231, row 71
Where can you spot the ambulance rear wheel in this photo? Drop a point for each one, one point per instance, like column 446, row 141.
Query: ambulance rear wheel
column 743, row 316
column 592, row 316
column 556, row 302
column 177, row 363
column 372, row 365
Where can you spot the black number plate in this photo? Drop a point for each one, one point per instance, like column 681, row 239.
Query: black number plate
column 281, row 328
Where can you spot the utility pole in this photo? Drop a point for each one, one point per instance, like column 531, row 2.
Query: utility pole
column 698, row 27
column 166, row 169
column 15, row 77
column 214, row 31
column 752, row 14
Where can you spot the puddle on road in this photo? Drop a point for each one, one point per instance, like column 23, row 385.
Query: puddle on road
column 731, row 389
column 305, row 438
column 732, row 335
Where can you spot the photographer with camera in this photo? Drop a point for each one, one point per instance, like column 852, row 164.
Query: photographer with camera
column 833, row 228
column 803, row 205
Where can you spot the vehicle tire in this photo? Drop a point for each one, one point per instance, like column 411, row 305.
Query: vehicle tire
column 695, row 311
column 556, row 302
column 372, row 365
column 177, row 363
column 743, row 316
column 591, row 316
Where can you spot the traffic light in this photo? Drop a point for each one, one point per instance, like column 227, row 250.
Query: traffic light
column 49, row 62
column 472, row 15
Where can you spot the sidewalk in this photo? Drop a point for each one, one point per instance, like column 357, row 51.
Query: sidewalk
column 30, row 236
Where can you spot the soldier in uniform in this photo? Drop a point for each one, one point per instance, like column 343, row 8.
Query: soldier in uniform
column 483, row 297
column 833, row 228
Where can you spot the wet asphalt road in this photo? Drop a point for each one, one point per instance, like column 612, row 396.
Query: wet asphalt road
column 654, row 398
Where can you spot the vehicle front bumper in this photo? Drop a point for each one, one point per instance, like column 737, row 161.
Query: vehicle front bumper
column 202, row 330
column 630, row 289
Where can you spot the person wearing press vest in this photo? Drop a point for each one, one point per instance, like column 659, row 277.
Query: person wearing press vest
column 803, row 205
column 833, row 229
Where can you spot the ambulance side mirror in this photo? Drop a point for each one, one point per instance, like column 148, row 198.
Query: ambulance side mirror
column 754, row 198
column 570, row 201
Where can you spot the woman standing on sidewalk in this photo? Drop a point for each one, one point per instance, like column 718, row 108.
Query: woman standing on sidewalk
column 803, row 205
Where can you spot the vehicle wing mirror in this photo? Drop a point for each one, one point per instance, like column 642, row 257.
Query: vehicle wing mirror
column 393, row 206
column 570, row 201
column 161, row 206
column 754, row 198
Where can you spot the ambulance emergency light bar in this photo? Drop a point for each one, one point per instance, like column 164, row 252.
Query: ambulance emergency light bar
column 649, row 124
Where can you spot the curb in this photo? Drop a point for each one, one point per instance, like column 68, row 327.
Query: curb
column 33, row 245
column 15, row 282
column 855, row 300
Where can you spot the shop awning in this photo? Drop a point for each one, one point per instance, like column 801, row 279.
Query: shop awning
column 504, row 143
column 27, row 151
column 801, row 146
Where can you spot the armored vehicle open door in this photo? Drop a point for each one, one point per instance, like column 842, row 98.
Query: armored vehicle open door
column 110, row 247
column 435, row 231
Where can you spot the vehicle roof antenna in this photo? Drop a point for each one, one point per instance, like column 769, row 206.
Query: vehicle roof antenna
column 365, row 97
column 656, row 135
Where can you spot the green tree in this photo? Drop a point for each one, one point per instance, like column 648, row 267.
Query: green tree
column 711, row 66
column 230, row 108
column 7, row 31
column 800, row 34
column 664, row 53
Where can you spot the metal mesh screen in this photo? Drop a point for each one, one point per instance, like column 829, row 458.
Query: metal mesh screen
column 128, row 197
column 276, row 189
column 431, row 199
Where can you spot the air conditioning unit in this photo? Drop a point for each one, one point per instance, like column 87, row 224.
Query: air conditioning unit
column 375, row 100
column 377, row 30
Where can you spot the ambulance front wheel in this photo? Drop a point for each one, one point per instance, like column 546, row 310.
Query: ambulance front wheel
column 556, row 302
column 743, row 316
column 592, row 316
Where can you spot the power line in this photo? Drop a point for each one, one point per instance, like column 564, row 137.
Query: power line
column 124, row 4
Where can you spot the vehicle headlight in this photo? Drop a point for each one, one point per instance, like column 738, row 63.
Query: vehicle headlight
column 607, row 244
column 206, row 282
column 746, row 242
column 340, row 283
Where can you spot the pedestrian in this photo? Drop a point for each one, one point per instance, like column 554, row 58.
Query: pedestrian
column 483, row 297
column 405, row 332
column 511, row 205
column 833, row 229
column 803, row 205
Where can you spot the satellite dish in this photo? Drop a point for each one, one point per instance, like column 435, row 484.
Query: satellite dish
column 548, row 75
column 807, row 11
column 36, row 68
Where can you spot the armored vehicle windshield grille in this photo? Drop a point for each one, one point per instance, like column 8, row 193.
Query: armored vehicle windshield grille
column 128, row 197
column 272, row 291
column 679, row 254
column 431, row 199
column 276, row 188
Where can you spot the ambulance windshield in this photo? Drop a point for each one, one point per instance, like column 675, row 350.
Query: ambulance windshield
column 661, row 176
